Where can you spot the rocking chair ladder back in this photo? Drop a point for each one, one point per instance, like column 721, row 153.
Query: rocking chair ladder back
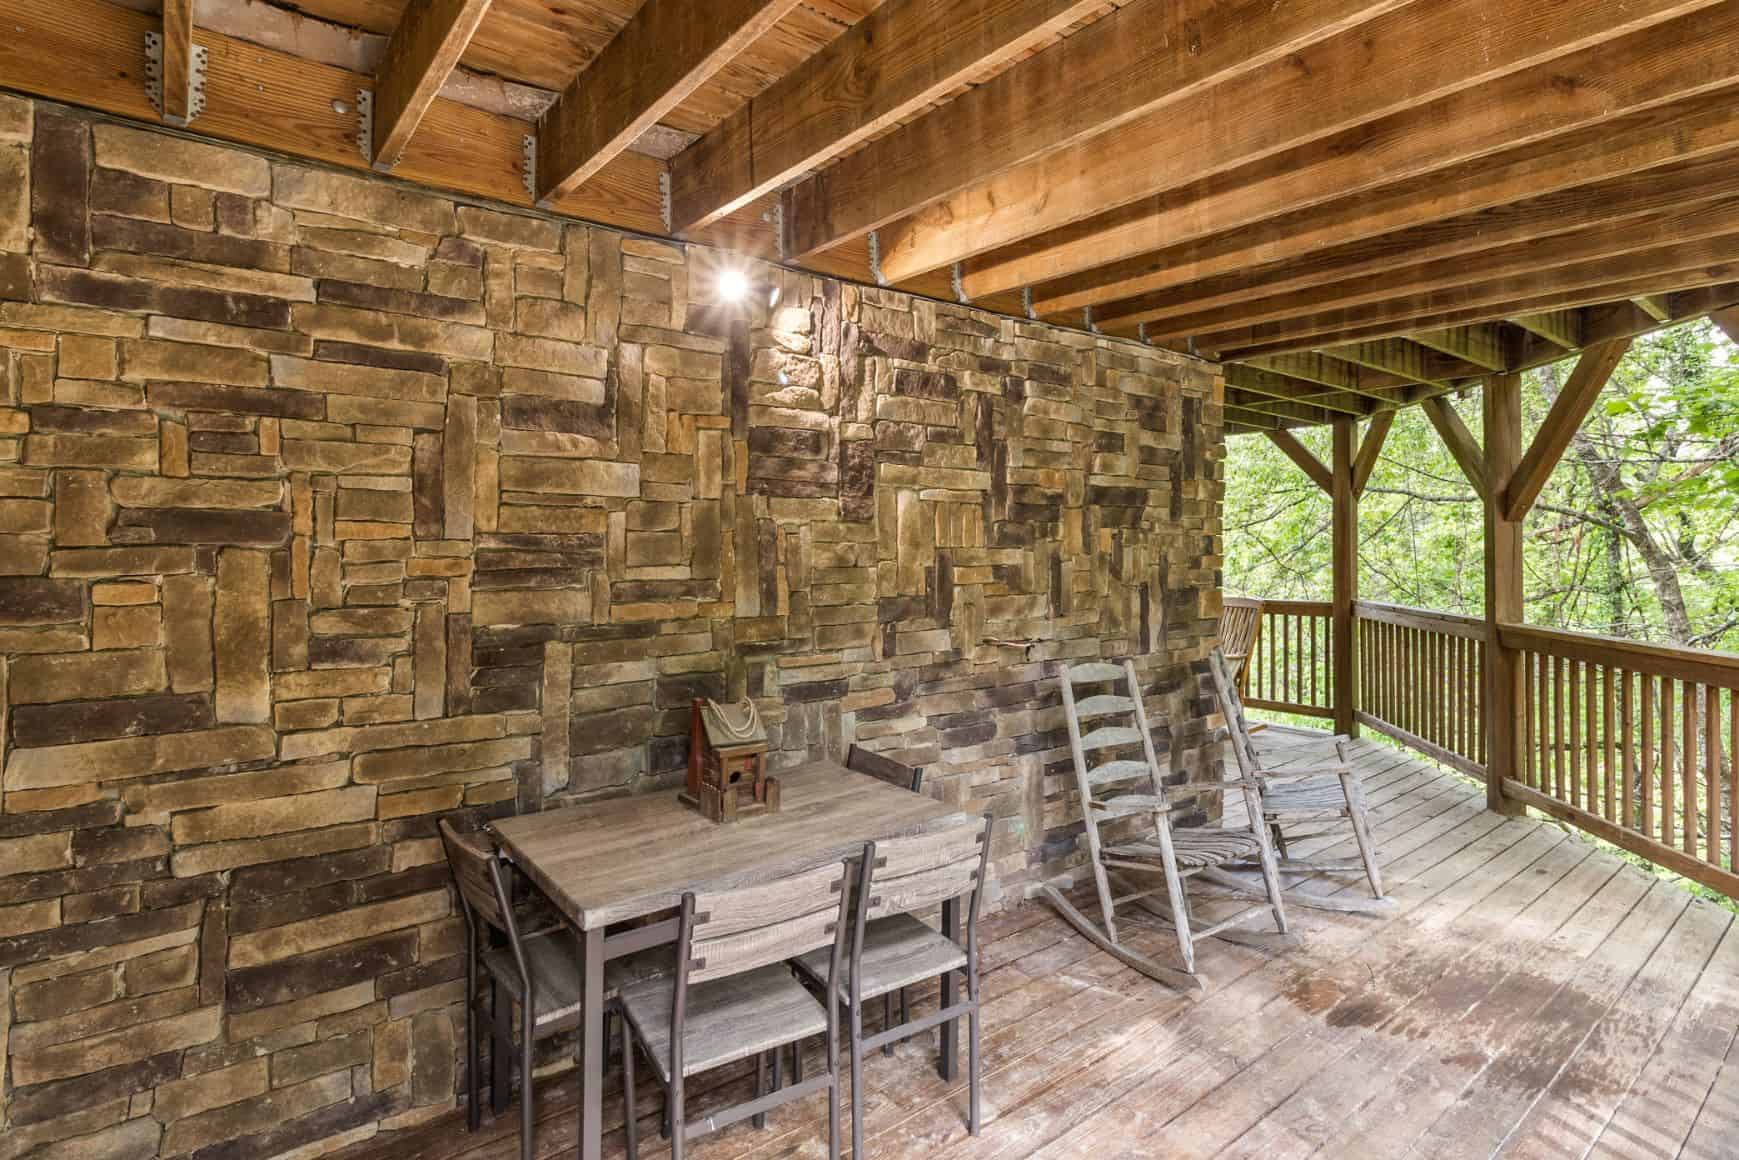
column 1176, row 854
column 1240, row 625
column 1299, row 781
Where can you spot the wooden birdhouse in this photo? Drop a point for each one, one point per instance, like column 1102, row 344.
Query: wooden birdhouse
column 727, row 762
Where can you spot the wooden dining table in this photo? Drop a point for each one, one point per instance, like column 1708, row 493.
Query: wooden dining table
column 607, row 863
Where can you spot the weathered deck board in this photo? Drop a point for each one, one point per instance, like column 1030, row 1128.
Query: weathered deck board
column 1531, row 995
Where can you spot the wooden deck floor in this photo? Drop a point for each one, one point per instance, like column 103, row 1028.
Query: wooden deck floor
column 1531, row 996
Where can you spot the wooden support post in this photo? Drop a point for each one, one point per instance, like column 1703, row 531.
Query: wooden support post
column 1503, row 589
column 1346, row 577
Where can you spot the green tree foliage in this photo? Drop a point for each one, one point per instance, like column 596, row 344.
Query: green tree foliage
column 1636, row 534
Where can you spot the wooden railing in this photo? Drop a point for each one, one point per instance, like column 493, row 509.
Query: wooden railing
column 1289, row 670
column 1634, row 743
column 1421, row 680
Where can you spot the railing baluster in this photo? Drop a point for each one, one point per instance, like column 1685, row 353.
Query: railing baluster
column 1668, row 762
column 1688, row 768
column 1712, row 768
column 1608, row 771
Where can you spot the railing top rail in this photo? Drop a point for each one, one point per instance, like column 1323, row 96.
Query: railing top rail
column 1700, row 665
column 1449, row 623
column 1299, row 607
column 1241, row 602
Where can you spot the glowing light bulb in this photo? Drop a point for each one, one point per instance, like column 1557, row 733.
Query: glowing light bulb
column 733, row 285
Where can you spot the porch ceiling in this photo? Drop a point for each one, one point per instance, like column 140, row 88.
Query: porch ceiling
column 1357, row 204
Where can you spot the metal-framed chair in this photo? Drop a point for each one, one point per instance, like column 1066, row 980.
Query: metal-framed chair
column 884, row 768
column 891, row 949
column 1308, row 781
column 732, row 998
column 1177, row 854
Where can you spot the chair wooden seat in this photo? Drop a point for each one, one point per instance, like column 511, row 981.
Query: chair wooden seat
column 1196, row 848
column 553, row 960
column 897, row 951
column 728, row 1019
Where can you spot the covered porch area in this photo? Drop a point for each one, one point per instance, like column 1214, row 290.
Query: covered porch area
column 1531, row 994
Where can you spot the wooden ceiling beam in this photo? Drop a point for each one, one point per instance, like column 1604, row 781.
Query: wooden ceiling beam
column 1564, row 227
column 1238, row 222
column 176, row 70
column 1568, row 410
column 424, row 50
column 1131, row 168
column 1659, row 231
column 900, row 59
column 1405, row 359
column 1699, row 263
column 1404, row 60
column 667, row 49
column 1337, row 373
column 1114, row 70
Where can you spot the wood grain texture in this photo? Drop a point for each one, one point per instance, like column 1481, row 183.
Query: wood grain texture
column 177, row 61
column 903, row 57
column 669, row 49
column 826, row 813
column 1562, row 422
column 1399, row 61
column 1111, row 72
column 425, row 47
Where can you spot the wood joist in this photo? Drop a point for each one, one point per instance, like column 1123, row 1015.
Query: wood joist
column 1412, row 194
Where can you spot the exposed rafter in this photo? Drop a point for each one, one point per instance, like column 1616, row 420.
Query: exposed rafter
column 902, row 57
column 175, row 71
column 665, row 52
column 1115, row 70
column 1448, row 88
column 424, row 49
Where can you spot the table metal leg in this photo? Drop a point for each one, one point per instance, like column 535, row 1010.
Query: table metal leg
column 950, row 1064
column 593, row 1049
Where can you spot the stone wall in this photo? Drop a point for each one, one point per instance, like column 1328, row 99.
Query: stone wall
column 329, row 506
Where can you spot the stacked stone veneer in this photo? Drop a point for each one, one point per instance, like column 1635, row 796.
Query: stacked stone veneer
column 328, row 506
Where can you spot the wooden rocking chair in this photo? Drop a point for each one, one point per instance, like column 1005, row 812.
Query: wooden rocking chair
column 1240, row 624
column 1306, row 780
column 1136, row 790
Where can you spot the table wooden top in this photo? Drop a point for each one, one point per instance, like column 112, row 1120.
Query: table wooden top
column 627, row 857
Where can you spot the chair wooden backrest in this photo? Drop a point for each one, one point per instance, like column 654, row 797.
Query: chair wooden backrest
column 1240, row 624
column 884, row 768
column 902, row 875
column 722, row 933
column 477, row 873
column 1088, row 734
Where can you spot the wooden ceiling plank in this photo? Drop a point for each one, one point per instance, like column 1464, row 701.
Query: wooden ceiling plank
column 1118, row 68
column 425, row 48
column 1566, row 222
column 902, row 58
column 1401, row 357
column 1240, row 222
column 1698, row 263
column 1401, row 61
column 177, row 68
column 1370, row 447
column 1256, row 381
column 661, row 56
column 1562, row 327
column 1300, row 454
column 1571, row 406
column 1482, row 344
column 1315, row 367
column 1463, row 447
